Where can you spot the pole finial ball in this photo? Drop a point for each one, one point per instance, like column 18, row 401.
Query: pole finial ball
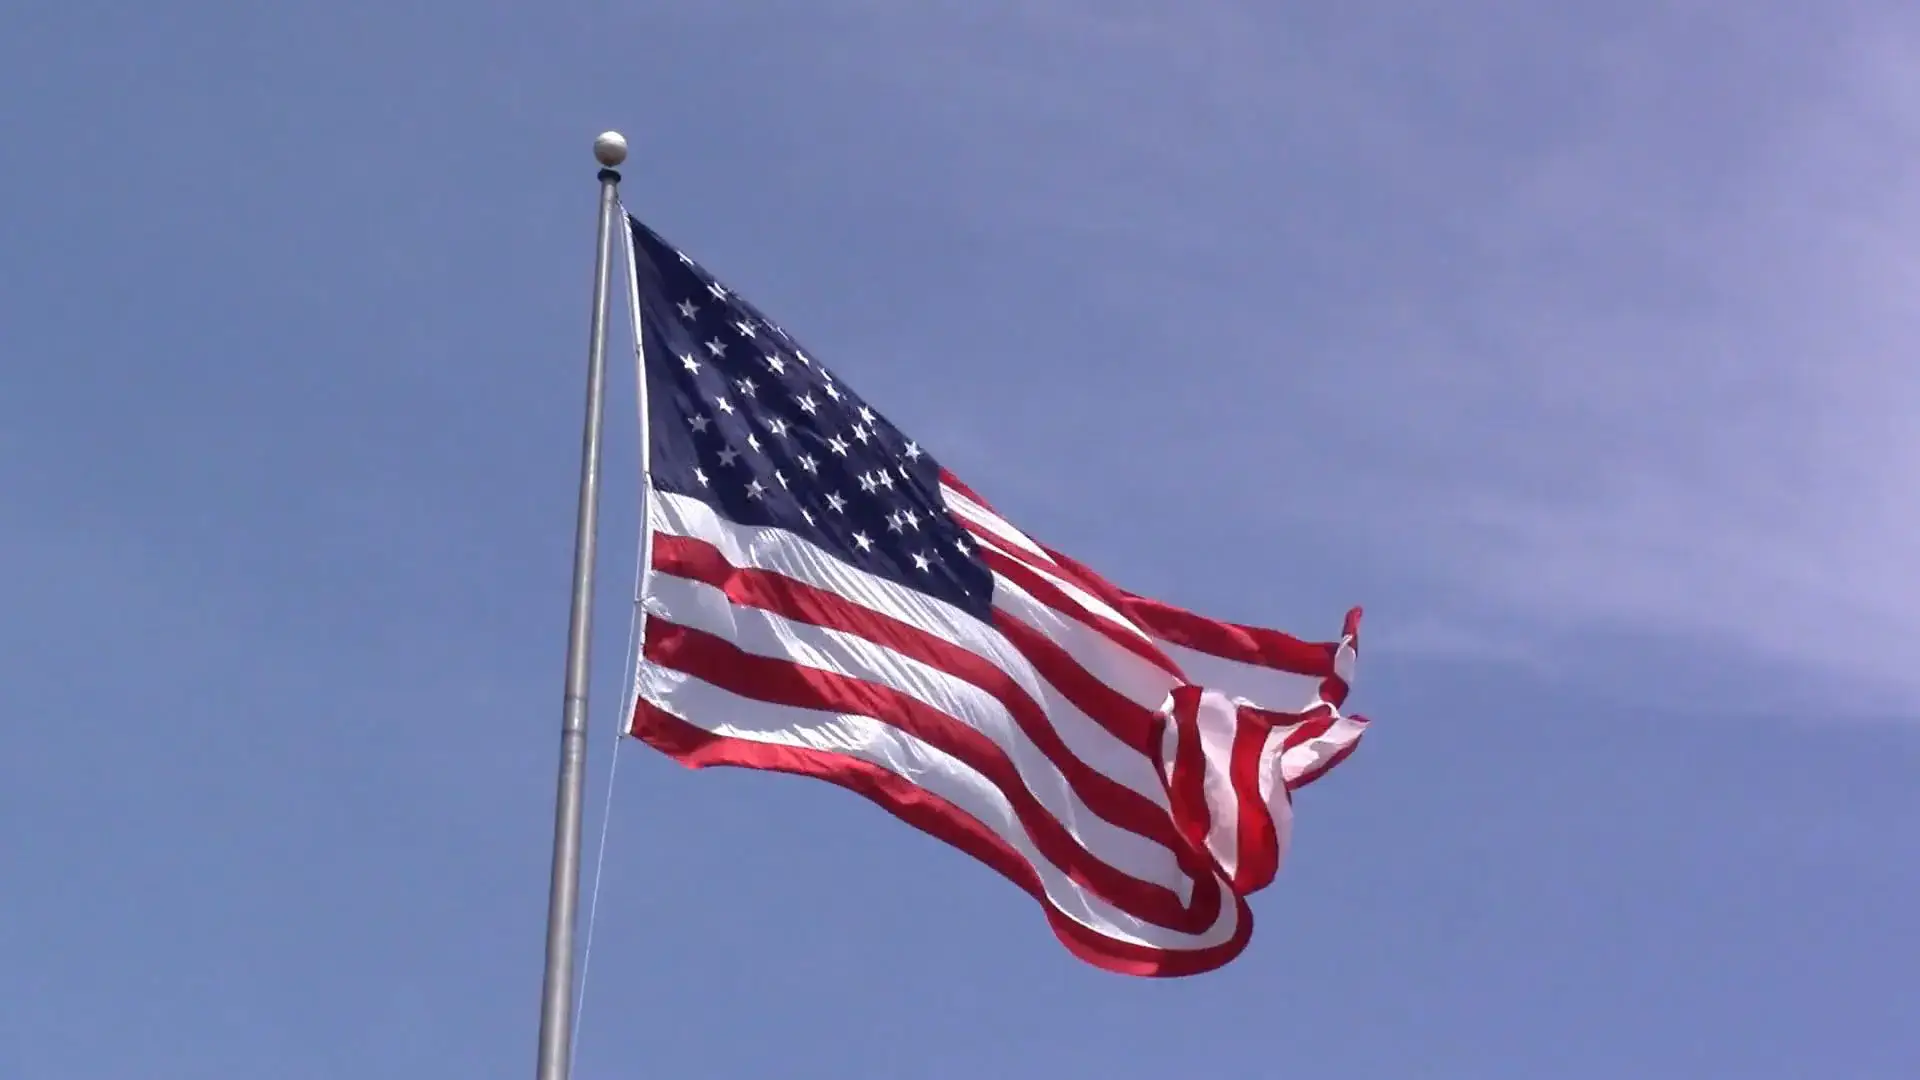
column 610, row 148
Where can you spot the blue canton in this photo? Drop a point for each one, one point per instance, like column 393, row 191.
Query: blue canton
column 747, row 421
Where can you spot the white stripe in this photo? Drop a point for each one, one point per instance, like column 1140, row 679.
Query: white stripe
column 1089, row 605
column 1273, row 793
column 1131, row 675
column 1270, row 775
column 969, row 510
column 1261, row 687
column 782, row 552
column 1253, row 684
column 870, row 740
column 1169, row 744
column 1216, row 718
column 699, row 606
column 1311, row 756
column 1008, row 536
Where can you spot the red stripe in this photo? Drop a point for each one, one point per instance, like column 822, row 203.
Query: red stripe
column 1231, row 641
column 1303, row 728
column 1187, row 787
column 1324, row 767
column 1045, row 590
column 1022, row 574
column 1126, row 719
column 953, row 482
column 933, row 815
column 1257, row 850
column 719, row 662
column 697, row 560
column 1308, row 726
column 1228, row 641
column 1253, row 645
column 1090, row 580
column 1184, row 831
column 1258, row 857
column 1071, row 569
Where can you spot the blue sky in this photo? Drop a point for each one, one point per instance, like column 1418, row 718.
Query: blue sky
column 1575, row 342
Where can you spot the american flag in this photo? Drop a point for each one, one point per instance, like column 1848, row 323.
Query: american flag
column 823, row 598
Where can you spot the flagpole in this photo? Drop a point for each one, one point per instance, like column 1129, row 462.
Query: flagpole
column 563, row 890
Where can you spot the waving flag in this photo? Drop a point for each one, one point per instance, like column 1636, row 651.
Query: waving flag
column 823, row 598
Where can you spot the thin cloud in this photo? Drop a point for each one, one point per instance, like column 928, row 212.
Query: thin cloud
column 1736, row 457
column 1605, row 317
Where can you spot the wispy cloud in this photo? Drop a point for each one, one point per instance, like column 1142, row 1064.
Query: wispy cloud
column 1606, row 318
column 1727, row 448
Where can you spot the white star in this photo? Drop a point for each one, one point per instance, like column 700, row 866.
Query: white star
column 684, row 258
column 745, row 327
column 753, row 442
column 893, row 523
column 688, row 309
column 756, row 490
column 700, row 476
column 833, row 392
column 921, row 562
column 912, row 519
column 835, row 503
column 718, row 292
column 837, row 445
column 778, row 427
column 860, row 538
column 867, row 484
column 778, row 365
column 807, row 404
column 904, row 474
column 886, row 480
column 862, row 434
column 778, row 475
column 687, row 361
column 808, row 463
column 746, row 386
column 802, row 357
column 723, row 405
column 808, row 514
column 717, row 347
column 728, row 455
column 960, row 545
column 699, row 422
column 913, row 451
column 866, row 414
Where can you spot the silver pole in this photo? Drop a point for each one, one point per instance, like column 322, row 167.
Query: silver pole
column 563, row 890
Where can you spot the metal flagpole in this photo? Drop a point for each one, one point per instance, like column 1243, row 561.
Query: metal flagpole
column 563, row 891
